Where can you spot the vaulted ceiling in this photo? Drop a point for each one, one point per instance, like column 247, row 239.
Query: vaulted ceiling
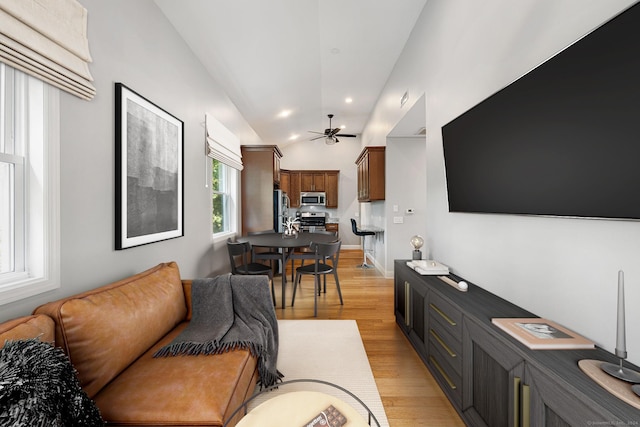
column 287, row 64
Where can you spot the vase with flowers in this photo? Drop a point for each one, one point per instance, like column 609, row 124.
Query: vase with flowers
column 291, row 228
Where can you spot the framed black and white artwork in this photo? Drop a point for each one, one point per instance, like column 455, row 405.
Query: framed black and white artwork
column 149, row 171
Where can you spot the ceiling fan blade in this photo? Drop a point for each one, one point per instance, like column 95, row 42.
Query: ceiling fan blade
column 346, row 135
column 316, row 137
column 319, row 133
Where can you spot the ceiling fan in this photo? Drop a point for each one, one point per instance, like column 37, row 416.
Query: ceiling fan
column 330, row 134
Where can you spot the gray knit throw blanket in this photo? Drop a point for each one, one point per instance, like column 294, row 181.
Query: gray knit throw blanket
column 231, row 312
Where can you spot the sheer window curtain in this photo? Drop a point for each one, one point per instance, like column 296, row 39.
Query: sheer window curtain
column 48, row 40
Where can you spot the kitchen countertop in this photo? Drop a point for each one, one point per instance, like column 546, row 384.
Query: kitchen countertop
column 331, row 220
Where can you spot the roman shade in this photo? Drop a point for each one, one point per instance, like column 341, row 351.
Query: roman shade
column 48, row 40
column 221, row 144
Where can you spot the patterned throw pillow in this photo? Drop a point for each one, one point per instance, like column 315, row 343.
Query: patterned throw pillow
column 40, row 387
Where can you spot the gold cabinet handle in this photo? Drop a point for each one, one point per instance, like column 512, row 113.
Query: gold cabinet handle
column 444, row 316
column 452, row 385
column 516, row 401
column 407, row 303
column 526, row 407
column 444, row 345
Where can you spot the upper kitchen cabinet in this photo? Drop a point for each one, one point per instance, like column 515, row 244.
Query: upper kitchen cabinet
column 313, row 180
column 260, row 176
column 285, row 180
column 331, row 188
column 262, row 160
column 371, row 174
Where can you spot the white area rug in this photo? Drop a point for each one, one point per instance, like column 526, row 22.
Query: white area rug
column 328, row 350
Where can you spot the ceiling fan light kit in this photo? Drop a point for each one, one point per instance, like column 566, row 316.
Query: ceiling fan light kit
column 330, row 134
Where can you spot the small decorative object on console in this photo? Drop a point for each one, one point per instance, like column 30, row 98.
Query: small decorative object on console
column 417, row 242
column 330, row 417
column 461, row 285
column 618, row 371
column 541, row 334
column 428, row 267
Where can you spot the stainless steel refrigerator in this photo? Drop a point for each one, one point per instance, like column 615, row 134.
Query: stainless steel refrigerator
column 280, row 209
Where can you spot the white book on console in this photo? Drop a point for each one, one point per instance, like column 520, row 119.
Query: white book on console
column 428, row 267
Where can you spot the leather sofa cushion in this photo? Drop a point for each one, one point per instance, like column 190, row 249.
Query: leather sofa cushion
column 199, row 390
column 22, row 328
column 104, row 330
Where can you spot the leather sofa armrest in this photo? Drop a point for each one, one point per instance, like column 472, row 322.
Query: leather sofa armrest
column 26, row 327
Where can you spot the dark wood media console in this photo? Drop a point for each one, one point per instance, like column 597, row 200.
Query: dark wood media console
column 491, row 378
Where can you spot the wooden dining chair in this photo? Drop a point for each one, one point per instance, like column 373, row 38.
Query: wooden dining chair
column 323, row 253
column 241, row 260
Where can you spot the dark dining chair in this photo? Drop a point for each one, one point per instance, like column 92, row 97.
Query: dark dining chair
column 241, row 259
column 363, row 234
column 270, row 254
column 323, row 253
column 306, row 252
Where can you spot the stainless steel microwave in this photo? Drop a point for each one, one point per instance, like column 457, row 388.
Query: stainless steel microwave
column 313, row 199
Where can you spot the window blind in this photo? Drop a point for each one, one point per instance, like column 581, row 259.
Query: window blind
column 48, row 39
column 221, row 144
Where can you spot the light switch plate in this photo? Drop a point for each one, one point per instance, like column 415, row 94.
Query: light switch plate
column 398, row 220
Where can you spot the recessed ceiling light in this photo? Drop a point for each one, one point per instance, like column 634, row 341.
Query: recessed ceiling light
column 343, row 126
column 294, row 136
column 284, row 113
column 348, row 100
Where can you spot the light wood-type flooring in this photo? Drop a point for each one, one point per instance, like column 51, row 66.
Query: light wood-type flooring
column 410, row 395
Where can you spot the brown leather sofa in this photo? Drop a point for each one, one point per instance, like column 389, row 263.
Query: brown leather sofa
column 110, row 334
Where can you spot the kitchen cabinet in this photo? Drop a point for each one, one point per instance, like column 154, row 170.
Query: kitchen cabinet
column 294, row 189
column 371, row 174
column 334, row 227
column 259, row 177
column 489, row 377
column 331, row 188
column 314, row 180
column 285, row 180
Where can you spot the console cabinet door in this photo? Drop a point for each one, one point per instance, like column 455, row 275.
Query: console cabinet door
column 552, row 405
column 493, row 375
column 410, row 301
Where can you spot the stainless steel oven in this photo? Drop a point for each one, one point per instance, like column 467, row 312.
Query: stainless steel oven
column 313, row 199
column 313, row 221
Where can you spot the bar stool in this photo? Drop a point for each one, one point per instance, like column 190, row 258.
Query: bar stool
column 362, row 234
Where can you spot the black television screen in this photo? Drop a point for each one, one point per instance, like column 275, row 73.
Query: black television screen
column 563, row 140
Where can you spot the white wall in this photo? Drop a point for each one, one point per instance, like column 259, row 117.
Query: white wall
column 406, row 177
column 316, row 155
column 564, row 269
column 133, row 43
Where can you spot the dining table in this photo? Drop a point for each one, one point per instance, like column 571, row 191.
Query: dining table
column 287, row 245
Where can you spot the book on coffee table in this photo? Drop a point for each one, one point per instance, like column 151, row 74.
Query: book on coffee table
column 542, row 334
column 330, row 417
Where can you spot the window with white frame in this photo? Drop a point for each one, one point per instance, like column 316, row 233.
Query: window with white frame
column 224, row 185
column 29, row 186
column 223, row 150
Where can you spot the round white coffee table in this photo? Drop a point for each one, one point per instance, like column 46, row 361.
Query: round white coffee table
column 298, row 408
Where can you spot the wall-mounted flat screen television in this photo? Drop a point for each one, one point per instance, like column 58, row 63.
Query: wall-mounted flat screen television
column 563, row 140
